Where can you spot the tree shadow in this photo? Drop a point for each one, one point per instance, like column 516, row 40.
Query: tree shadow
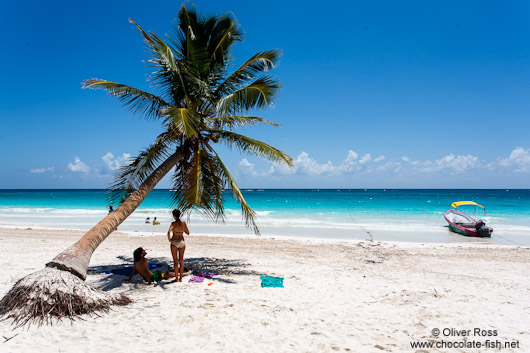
column 221, row 266
column 224, row 267
column 115, row 275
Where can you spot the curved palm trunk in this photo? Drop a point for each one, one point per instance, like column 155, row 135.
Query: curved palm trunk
column 76, row 258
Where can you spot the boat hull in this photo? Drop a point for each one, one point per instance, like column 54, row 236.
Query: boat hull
column 462, row 223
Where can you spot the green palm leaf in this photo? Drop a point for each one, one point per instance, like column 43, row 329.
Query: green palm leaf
column 256, row 65
column 192, row 39
column 158, row 47
column 171, row 68
column 139, row 101
column 259, row 94
column 198, row 185
column 224, row 35
column 252, row 146
column 238, row 121
column 247, row 212
column 186, row 121
column 137, row 170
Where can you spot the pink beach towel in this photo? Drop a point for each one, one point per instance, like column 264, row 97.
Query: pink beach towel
column 196, row 279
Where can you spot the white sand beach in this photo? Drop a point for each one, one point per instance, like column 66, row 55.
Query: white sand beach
column 338, row 297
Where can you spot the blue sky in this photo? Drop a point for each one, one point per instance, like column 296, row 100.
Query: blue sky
column 376, row 94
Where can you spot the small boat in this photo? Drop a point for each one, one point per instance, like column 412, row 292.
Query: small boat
column 461, row 222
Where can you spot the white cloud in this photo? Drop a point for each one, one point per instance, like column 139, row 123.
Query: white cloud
column 452, row 164
column 246, row 168
column 348, row 165
column 353, row 169
column 78, row 166
column 391, row 166
column 519, row 158
column 352, row 156
column 111, row 163
column 366, row 158
column 306, row 165
column 244, row 163
column 458, row 164
column 42, row 170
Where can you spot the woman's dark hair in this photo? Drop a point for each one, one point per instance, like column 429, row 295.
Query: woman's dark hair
column 176, row 214
column 138, row 254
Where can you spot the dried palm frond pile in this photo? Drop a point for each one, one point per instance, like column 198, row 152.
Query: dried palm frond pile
column 51, row 294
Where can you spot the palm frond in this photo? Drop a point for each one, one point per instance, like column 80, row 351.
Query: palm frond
column 159, row 47
column 138, row 169
column 237, row 121
column 195, row 188
column 251, row 146
column 186, row 121
column 247, row 212
column 223, row 35
column 197, row 185
column 170, row 74
column 192, row 39
column 256, row 65
column 137, row 100
column 259, row 94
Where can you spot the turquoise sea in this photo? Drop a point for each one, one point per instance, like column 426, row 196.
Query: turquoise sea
column 384, row 214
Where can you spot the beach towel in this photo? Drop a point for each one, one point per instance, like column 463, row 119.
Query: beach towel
column 208, row 275
column 268, row 281
column 196, row 279
column 200, row 276
column 126, row 271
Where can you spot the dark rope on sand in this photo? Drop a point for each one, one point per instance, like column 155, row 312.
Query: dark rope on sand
column 364, row 229
column 10, row 338
column 508, row 240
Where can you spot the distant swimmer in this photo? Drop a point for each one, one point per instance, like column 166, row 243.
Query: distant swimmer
column 147, row 220
column 111, row 209
column 155, row 222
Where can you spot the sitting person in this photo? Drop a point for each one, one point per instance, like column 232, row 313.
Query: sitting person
column 155, row 222
column 142, row 268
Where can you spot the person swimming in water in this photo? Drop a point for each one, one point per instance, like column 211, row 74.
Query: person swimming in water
column 155, row 222
column 141, row 267
column 178, row 246
column 147, row 220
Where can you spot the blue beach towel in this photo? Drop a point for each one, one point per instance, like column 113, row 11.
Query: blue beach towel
column 267, row 281
column 126, row 271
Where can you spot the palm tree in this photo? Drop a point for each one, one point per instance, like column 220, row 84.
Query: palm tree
column 200, row 104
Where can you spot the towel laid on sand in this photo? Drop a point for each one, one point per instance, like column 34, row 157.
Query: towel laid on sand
column 126, row 271
column 268, row 281
column 207, row 275
column 196, row 279
column 200, row 276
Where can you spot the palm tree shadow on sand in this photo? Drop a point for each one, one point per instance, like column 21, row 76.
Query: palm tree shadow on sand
column 223, row 267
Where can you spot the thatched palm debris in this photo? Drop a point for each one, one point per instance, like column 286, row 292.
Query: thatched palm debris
column 51, row 294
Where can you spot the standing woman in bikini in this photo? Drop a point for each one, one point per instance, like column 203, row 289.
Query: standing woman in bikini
column 178, row 245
